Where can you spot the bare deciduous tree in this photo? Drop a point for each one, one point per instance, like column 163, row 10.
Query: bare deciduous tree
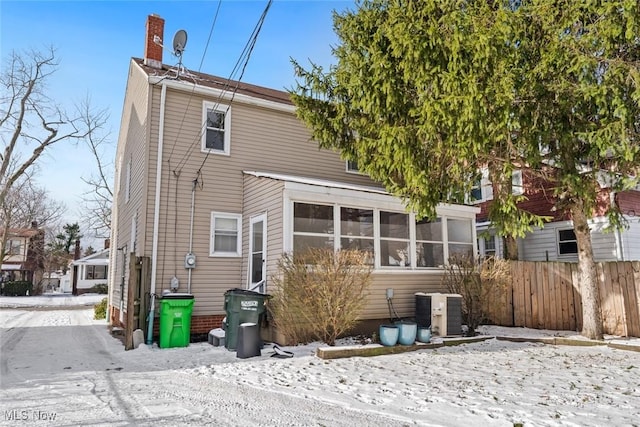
column 31, row 122
column 97, row 200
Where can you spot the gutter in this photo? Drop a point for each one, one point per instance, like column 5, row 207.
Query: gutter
column 156, row 217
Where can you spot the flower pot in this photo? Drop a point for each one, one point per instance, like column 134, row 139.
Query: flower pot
column 424, row 334
column 389, row 335
column 408, row 331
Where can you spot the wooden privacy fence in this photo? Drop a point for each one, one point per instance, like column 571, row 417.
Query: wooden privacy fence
column 546, row 295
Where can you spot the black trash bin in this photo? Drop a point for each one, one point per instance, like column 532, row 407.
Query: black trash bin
column 242, row 306
column 249, row 343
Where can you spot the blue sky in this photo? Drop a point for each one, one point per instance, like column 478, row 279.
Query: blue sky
column 95, row 40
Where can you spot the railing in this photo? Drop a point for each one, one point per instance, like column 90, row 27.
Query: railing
column 261, row 286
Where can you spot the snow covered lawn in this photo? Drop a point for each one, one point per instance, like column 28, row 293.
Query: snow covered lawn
column 486, row 383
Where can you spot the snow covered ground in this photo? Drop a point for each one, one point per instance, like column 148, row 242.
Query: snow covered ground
column 487, row 383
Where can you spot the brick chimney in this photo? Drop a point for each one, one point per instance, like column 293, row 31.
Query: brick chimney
column 153, row 50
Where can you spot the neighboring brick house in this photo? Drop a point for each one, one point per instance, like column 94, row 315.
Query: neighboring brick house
column 232, row 181
column 24, row 254
column 556, row 241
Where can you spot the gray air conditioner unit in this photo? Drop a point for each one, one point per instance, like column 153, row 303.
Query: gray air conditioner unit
column 445, row 311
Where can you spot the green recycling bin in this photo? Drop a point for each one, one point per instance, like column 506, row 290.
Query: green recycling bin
column 242, row 306
column 175, row 320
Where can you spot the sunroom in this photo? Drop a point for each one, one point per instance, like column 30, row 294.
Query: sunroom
column 407, row 253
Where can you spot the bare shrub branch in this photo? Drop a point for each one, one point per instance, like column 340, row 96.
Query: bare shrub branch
column 320, row 293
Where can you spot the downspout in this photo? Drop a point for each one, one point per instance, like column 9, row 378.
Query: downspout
column 156, row 217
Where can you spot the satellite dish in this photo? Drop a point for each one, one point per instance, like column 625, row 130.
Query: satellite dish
column 179, row 42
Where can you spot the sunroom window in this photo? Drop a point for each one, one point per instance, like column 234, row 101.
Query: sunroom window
column 394, row 239
column 460, row 237
column 356, row 230
column 429, row 246
column 313, row 226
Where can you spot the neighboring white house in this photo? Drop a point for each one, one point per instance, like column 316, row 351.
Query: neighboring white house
column 556, row 241
column 89, row 271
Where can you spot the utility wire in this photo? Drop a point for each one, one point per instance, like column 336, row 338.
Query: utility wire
column 249, row 49
column 244, row 56
column 204, row 54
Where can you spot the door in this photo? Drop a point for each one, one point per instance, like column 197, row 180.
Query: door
column 257, row 253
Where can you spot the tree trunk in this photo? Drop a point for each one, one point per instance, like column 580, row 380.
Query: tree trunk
column 510, row 248
column 587, row 279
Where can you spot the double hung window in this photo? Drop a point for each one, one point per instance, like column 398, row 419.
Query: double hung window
column 567, row 243
column 226, row 235
column 216, row 137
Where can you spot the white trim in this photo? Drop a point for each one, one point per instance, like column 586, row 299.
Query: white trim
column 127, row 182
column 354, row 171
column 517, row 182
column 257, row 218
column 156, row 220
column 226, row 215
column 292, row 197
column 292, row 179
column 569, row 254
column 225, row 95
column 132, row 239
column 220, row 108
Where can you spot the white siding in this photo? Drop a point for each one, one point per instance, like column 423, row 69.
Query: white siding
column 631, row 240
column 542, row 244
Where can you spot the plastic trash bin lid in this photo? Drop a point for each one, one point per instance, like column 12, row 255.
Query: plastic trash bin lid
column 177, row 295
column 239, row 291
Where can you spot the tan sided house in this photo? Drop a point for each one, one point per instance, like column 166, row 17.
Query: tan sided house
column 223, row 175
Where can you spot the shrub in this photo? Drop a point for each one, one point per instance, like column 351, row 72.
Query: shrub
column 17, row 288
column 319, row 293
column 100, row 288
column 100, row 310
column 477, row 281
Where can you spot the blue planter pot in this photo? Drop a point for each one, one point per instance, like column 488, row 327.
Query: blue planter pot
column 389, row 335
column 408, row 331
column 424, row 334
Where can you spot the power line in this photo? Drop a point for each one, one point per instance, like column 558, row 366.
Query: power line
column 242, row 59
column 204, row 54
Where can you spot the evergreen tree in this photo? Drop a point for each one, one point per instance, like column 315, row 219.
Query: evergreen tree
column 426, row 93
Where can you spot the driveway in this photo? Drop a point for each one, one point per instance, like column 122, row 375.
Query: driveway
column 61, row 367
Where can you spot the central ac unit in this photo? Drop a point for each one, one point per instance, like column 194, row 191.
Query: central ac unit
column 443, row 312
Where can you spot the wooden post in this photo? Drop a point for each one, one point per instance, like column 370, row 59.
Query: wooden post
column 131, row 296
column 143, row 290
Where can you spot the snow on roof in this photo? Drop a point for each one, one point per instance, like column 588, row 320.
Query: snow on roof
column 97, row 257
